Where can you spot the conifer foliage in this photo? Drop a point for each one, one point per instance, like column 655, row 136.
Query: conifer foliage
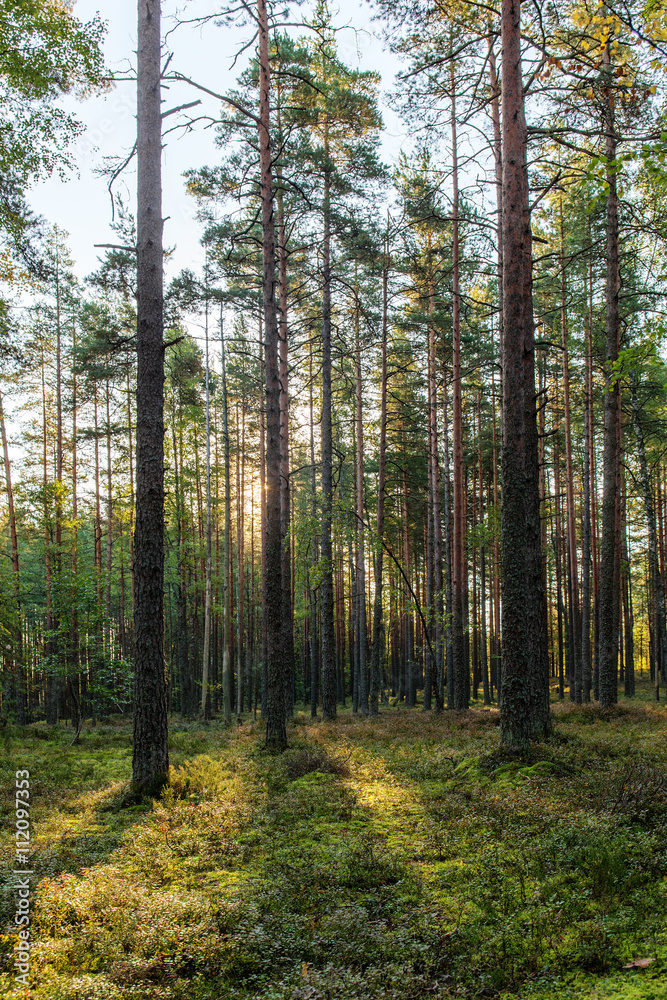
column 399, row 444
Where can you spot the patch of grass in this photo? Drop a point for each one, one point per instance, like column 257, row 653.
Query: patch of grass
column 299, row 761
column 397, row 858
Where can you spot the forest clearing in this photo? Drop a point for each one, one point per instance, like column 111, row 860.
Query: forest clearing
column 333, row 499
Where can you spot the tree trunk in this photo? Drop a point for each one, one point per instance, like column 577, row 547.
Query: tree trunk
column 181, row 583
column 586, row 663
column 206, row 654
column 283, row 345
column 75, row 536
column 51, row 700
column 362, row 634
column 109, row 552
column 377, row 651
column 276, row 731
column 436, row 513
column 498, row 170
column 497, row 642
column 262, row 508
column 19, row 690
column 458, row 562
column 523, row 708
column 482, row 556
column 577, row 677
column 314, row 640
column 449, row 652
column 608, row 600
column 558, row 547
column 326, row 586
column 150, row 760
column 654, row 564
column 240, row 552
column 226, row 582
column 628, row 623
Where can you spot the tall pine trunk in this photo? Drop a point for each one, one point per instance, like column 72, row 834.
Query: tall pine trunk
column 377, row 651
column 586, row 662
column 283, row 345
column 276, row 731
column 326, row 587
column 449, row 652
column 17, row 651
column 206, row 653
column 576, row 680
column 524, row 707
column 608, row 599
column 360, row 555
column 458, row 560
column 150, row 760
column 653, row 545
column 226, row 582
column 314, row 640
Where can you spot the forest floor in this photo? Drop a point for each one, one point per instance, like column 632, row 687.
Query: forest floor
column 400, row 858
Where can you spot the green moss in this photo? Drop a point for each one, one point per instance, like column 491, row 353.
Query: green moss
column 410, row 857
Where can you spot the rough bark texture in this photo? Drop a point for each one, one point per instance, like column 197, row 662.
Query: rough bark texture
column 17, row 651
column 314, row 640
column 227, row 551
column 524, row 706
column 576, row 688
column 362, row 630
column 186, row 693
column 377, row 651
column 150, row 754
column 262, row 506
column 458, row 561
column 608, row 628
column 433, row 679
column 285, row 502
column 326, row 588
column 586, row 664
column 276, row 731
column 628, row 619
column 205, row 709
column 653, row 548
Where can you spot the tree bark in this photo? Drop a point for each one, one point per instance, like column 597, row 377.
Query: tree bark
column 626, row 594
column 653, row 552
column 586, row 663
column 206, row 653
column 16, row 579
column 240, row 557
column 226, row 581
column 262, row 507
column 377, row 651
column 276, row 731
column 482, row 556
column 314, row 640
column 109, row 520
column 458, row 561
column 285, row 503
column 577, row 677
column 150, row 751
column 608, row 600
column 360, row 554
column 449, row 652
column 524, row 707
column 150, row 760
column 326, row 587
column 51, row 699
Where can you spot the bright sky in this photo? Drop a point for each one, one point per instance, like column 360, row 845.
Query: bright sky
column 82, row 206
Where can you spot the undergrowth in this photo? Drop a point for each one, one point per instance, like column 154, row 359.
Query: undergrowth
column 396, row 858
